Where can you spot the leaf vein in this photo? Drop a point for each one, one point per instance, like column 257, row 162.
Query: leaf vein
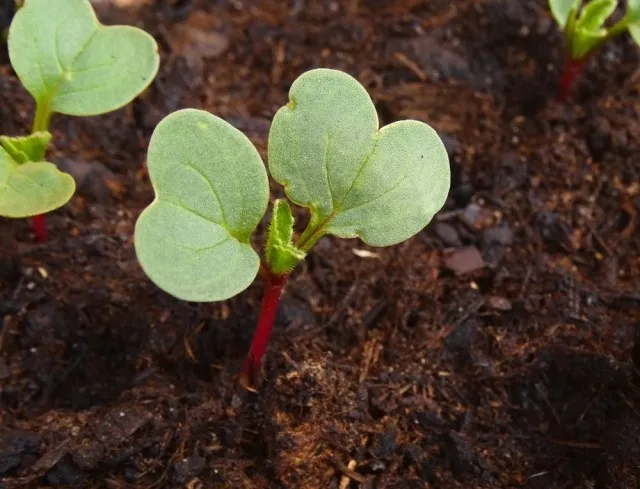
column 378, row 197
column 327, row 148
column 197, row 170
column 195, row 250
column 360, row 170
column 56, row 50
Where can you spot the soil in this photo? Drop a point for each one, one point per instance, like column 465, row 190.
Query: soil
column 499, row 348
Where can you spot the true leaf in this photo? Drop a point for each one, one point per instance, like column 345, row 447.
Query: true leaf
column 281, row 227
column 211, row 191
column 282, row 256
column 325, row 148
column 594, row 14
column 583, row 42
column 72, row 64
column 32, row 188
column 560, row 9
column 27, row 148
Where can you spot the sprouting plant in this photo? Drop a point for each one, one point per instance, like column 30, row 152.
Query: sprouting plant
column 73, row 65
column 326, row 149
column 585, row 31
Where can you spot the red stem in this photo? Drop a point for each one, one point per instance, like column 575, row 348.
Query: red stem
column 39, row 224
column 571, row 69
column 273, row 287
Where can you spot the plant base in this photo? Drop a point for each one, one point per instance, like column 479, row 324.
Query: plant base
column 571, row 70
column 39, row 224
column 273, row 288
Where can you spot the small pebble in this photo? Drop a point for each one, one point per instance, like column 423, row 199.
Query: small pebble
column 500, row 303
column 464, row 260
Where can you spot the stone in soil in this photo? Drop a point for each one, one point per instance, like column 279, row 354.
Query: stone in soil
column 464, row 260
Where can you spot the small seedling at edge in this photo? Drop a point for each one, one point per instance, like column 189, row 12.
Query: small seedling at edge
column 73, row 65
column 585, row 32
column 325, row 147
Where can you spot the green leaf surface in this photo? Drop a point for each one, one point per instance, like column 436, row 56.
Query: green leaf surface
column 560, row 9
column 27, row 148
column 72, row 64
column 281, row 226
column 282, row 256
column 32, row 188
column 634, row 30
column 633, row 11
column 584, row 42
column 325, row 148
column 594, row 15
column 211, row 192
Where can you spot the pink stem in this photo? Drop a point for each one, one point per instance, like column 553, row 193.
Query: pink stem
column 39, row 224
column 273, row 287
column 571, row 69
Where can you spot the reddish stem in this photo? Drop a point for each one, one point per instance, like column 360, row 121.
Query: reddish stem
column 571, row 69
column 273, row 287
column 39, row 224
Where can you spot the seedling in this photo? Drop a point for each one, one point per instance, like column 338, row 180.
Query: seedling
column 585, row 32
column 325, row 147
column 70, row 64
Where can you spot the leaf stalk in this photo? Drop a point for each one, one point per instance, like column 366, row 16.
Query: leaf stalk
column 273, row 289
column 42, row 117
column 40, row 123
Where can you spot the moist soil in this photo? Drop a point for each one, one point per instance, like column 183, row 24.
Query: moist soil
column 496, row 349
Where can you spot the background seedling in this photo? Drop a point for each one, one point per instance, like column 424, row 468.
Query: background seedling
column 70, row 64
column 585, row 31
column 325, row 148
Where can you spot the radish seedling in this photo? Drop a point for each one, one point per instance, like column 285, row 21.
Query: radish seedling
column 326, row 149
column 70, row 64
column 585, row 32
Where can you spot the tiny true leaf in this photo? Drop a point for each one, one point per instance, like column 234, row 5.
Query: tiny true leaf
column 382, row 185
column 211, row 192
column 281, row 227
column 595, row 13
column 560, row 9
column 583, row 42
column 588, row 28
column 72, row 64
column 27, row 148
column 31, row 188
column 282, row 256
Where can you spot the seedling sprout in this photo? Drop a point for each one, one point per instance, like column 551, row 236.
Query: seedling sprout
column 584, row 28
column 326, row 149
column 71, row 64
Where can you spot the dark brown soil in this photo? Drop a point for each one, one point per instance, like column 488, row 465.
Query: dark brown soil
column 386, row 370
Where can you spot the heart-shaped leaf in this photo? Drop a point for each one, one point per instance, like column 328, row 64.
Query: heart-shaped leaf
column 72, row 64
column 211, row 192
column 380, row 185
column 32, row 188
column 560, row 9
